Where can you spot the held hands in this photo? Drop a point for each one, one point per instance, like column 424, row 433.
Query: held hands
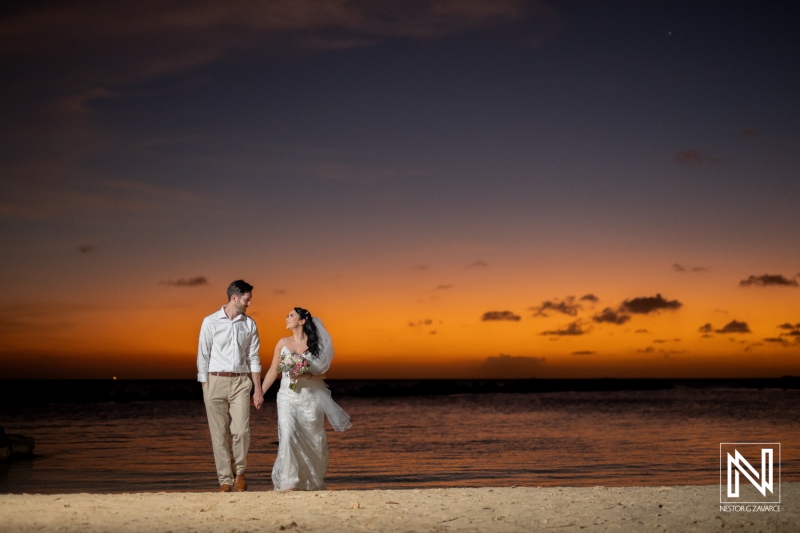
column 258, row 399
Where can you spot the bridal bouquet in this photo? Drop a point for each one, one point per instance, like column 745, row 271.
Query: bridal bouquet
column 295, row 364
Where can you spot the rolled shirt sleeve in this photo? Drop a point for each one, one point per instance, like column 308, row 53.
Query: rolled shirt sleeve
column 253, row 358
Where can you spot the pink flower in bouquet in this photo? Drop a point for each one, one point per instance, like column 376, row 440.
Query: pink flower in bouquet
column 294, row 364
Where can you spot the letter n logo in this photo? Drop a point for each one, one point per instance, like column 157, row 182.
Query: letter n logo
column 736, row 461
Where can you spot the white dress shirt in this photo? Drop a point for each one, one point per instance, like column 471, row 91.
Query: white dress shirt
column 227, row 345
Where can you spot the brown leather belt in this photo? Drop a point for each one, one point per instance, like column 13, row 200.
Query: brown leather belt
column 227, row 374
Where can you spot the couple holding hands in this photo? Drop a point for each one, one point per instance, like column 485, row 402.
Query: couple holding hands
column 228, row 366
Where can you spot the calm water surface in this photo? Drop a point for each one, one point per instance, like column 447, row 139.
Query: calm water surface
column 565, row 438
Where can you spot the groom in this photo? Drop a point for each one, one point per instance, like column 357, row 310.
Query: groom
column 226, row 354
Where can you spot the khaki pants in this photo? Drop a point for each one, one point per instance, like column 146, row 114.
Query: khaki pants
column 227, row 402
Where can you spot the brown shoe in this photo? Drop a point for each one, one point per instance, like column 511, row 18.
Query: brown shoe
column 240, row 484
column 224, row 488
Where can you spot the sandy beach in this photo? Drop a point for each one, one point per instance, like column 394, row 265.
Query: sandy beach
column 683, row 508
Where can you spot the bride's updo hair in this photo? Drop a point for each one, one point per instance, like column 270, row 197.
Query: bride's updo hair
column 310, row 329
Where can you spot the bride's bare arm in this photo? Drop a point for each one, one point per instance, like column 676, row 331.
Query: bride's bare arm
column 272, row 373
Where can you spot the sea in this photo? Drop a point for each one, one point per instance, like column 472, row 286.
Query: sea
column 152, row 436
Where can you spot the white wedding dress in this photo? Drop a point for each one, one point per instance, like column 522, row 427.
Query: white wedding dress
column 302, row 459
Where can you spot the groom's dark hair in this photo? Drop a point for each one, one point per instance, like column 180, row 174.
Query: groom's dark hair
column 238, row 287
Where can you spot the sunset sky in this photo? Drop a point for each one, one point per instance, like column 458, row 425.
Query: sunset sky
column 477, row 188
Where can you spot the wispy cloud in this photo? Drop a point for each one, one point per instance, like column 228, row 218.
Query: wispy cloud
column 677, row 267
column 43, row 200
column 500, row 315
column 121, row 43
column 583, row 352
column 443, row 287
column 589, row 298
column 611, row 316
column 573, row 328
column 190, row 282
column 478, row 264
column 86, row 249
column 695, row 157
column 768, row 280
column 790, row 338
column 567, row 307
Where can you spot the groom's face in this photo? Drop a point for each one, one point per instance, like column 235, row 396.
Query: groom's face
column 241, row 303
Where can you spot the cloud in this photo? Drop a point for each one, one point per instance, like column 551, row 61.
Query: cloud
column 573, row 328
column 706, row 328
column 734, row 326
column 500, row 315
column 278, row 292
column 663, row 353
column 444, row 287
column 589, row 298
column 783, row 343
column 792, row 332
column 478, row 264
column 662, row 341
column 421, row 323
column 611, row 316
column 766, row 280
column 69, row 59
column 567, row 307
column 649, row 304
column 583, row 352
column 643, row 305
column 677, row 267
column 694, row 158
column 36, row 198
column 110, row 43
column 86, row 248
column 191, row 282
column 667, row 353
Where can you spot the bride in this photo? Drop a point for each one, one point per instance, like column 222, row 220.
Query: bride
column 303, row 400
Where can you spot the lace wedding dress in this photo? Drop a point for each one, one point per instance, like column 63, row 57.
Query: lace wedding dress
column 302, row 459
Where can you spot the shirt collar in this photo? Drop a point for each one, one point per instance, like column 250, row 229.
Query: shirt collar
column 221, row 314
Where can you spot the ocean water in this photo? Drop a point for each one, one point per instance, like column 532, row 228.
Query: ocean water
column 623, row 438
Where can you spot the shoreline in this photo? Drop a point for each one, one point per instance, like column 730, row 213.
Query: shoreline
column 667, row 508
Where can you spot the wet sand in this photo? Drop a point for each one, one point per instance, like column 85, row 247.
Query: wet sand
column 683, row 508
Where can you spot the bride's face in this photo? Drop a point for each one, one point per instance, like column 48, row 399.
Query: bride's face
column 293, row 320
